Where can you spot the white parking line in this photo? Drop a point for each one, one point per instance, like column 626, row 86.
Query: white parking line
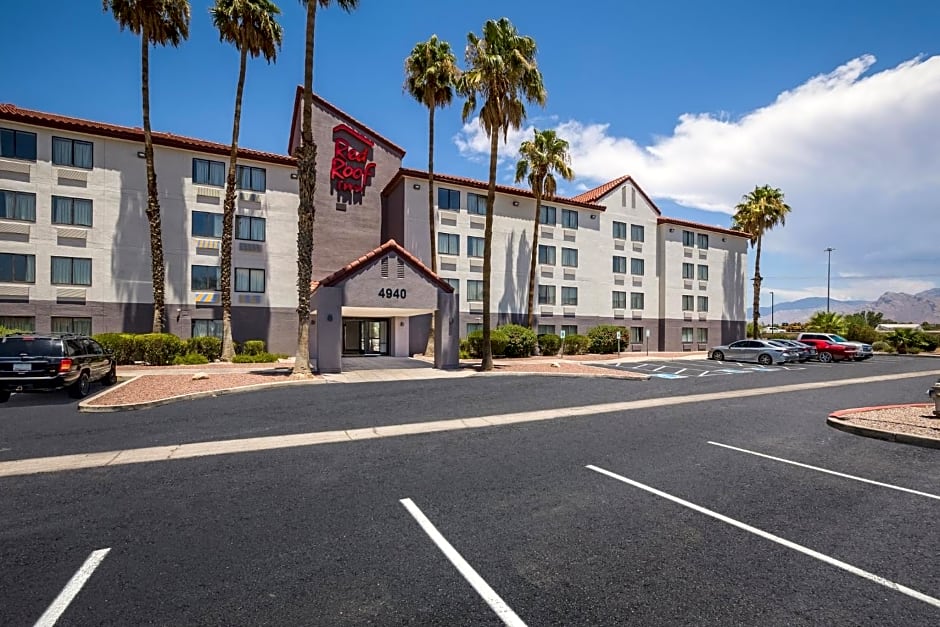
column 71, row 589
column 492, row 599
column 864, row 574
column 828, row 472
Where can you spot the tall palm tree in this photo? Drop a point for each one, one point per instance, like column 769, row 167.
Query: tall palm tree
column 503, row 75
column 252, row 27
column 157, row 22
column 542, row 157
column 307, row 183
column 759, row 212
column 431, row 73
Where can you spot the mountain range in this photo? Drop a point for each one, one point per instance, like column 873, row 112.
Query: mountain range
column 898, row 306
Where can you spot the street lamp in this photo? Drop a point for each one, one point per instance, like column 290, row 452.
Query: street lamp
column 771, row 309
column 828, row 271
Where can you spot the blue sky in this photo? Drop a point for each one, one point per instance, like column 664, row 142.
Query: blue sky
column 684, row 95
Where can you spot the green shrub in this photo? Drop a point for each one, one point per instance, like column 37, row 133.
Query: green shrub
column 252, row 347
column 520, row 340
column 159, row 349
column 549, row 344
column 208, row 347
column 603, row 338
column 190, row 359
column 259, row 358
column 862, row 333
column 465, row 349
column 881, row 347
column 575, row 344
column 126, row 347
column 929, row 341
column 914, row 350
column 498, row 342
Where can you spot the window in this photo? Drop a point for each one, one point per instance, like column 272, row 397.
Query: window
column 207, row 224
column 249, row 228
column 454, row 283
column 546, row 329
column 637, row 233
column 448, row 199
column 547, row 255
column 703, row 335
column 207, row 172
column 448, row 244
column 636, row 335
column 476, row 203
column 205, row 277
column 637, row 267
column 569, row 329
column 569, row 257
column 249, row 280
column 17, row 144
column 78, row 326
column 618, row 300
column 569, row 219
column 620, row 230
column 472, row 327
column 17, row 268
column 17, row 206
column 546, row 294
column 703, row 240
column 688, row 238
column 72, row 152
column 207, row 328
column 686, row 335
column 248, row 177
column 620, row 264
column 19, row 323
column 569, row 296
column 703, row 303
column 688, row 302
column 475, row 246
column 76, row 211
column 474, row 291
column 703, row 273
column 637, row 300
column 547, row 215
column 688, row 271
column 71, row 271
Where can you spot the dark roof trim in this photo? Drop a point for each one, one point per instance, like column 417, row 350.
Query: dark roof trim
column 388, row 247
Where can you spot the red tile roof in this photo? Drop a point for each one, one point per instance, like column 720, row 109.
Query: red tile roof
column 504, row 189
column 388, row 247
column 133, row 133
column 593, row 195
column 703, row 227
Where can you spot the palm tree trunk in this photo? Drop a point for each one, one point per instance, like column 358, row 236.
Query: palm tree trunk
column 306, row 212
column 487, row 363
column 157, row 268
column 535, row 257
column 228, row 218
column 757, row 282
column 429, row 349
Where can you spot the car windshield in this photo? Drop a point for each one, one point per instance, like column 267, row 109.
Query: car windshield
column 33, row 347
column 839, row 338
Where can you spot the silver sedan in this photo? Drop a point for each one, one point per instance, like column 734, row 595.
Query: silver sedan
column 761, row 351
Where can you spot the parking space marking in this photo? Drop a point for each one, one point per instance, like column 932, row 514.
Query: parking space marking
column 71, row 589
column 864, row 574
column 829, row 472
column 503, row 611
column 689, row 369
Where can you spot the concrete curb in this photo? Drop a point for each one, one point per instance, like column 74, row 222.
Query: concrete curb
column 835, row 421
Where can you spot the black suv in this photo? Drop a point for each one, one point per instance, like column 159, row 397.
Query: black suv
column 52, row 362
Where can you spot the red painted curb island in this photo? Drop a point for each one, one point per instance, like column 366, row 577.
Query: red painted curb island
column 836, row 421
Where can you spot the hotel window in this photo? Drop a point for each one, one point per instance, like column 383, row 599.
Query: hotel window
column 546, row 294
column 17, row 144
column 207, row 328
column 249, row 280
column 620, row 230
column 454, row 283
column 547, row 215
column 703, row 273
column 473, row 327
column 207, row 172
column 476, row 204
column 448, row 198
column 570, row 329
column 620, row 264
column 448, row 244
column 72, row 152
column 75, row 211
column 637, row 267
column 547, row 255
column 618, row 300
column 17, row 206
column 688, row 238
column 546, row 329
column 637, row 233
column 688, row 271
column 636, row 335
column 569, row 296
column 249, row 228
column 17, row 268
column 248, row 177
column 569, row 257
column 26, row 324
column 71, row 271
column 703, row 303
column 703, row 335
column 475, row 246
column 703, row 240
column 205, row 278
column 78, row 326
column 686, row 335
column 474, row 291
column 569, row 219
column 637, row 300
column 688, row 302
column 207, row 224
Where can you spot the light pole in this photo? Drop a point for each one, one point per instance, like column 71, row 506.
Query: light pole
column 771, row 309
column 828, row 271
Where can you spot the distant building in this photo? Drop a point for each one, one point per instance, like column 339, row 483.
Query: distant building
column 888, row 328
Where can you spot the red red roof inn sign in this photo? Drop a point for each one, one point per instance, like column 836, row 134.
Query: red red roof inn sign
column 351, row 169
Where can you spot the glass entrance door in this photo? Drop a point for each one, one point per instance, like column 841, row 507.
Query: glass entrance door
column 365, row 336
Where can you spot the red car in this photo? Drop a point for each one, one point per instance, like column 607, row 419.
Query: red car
column 827, row 351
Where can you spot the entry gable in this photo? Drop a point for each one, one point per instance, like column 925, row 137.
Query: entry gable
column 622, row 192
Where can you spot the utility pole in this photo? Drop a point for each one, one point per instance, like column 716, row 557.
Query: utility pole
column 828, row 272
column 771, row 309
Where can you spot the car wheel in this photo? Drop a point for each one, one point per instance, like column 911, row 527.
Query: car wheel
column 80, row 388
column 4, row 397
column 718, row 356
column 765, row 359
column 825, row 357
column 111, row 377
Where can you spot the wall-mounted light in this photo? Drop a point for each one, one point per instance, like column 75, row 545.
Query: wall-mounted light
column 671, row 230
column 724, row 239
column 515, row 203
column 293, row 175
column 329, row 317
column 416, row 186
column 141, row 154
column 593, row 217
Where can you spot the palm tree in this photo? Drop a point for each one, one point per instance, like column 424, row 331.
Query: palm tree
column 307, row 183
column 905, row 339
column 251, row 26
column 542, row 156
column 157, row 22
column 827, row 322
column 430, row 75
column 759, row 212
column 502, row 73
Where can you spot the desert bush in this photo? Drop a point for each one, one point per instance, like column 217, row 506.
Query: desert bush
column 252, row 347
column 520, row 342
column 159, row 349
column 256, row 358
column 190, row 359
column 881, row 346
column 208, row 347
column 604, row 338
column 575, row 344
column 549, row 344
column 498, row 342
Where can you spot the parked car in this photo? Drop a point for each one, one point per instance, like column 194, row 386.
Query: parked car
column 807, row 352
column 34, row 362
column 828, row 352
column 863, row 350
column 761, row 351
